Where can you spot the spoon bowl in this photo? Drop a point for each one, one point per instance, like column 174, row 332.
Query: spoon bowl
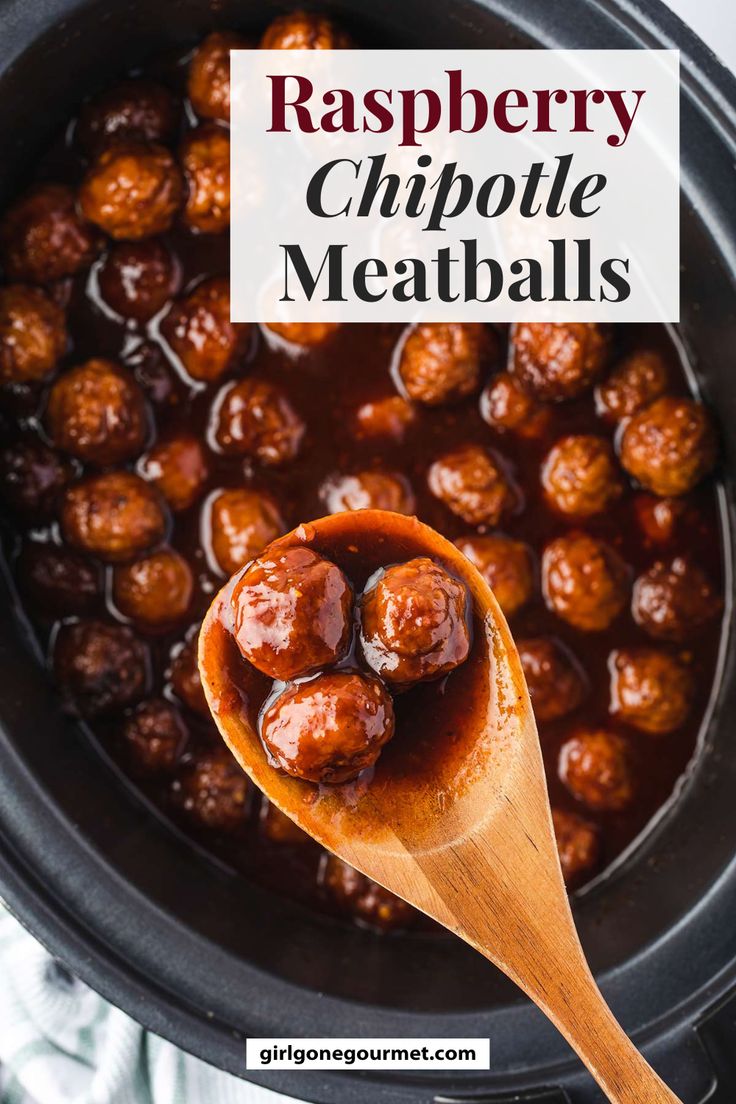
column 456, row 820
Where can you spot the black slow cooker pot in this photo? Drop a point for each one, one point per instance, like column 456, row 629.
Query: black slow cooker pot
column 193, row 951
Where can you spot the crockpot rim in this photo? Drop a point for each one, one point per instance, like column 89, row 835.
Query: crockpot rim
column 654, row 22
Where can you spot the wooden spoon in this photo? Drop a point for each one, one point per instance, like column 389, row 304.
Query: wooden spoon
column 465, row 836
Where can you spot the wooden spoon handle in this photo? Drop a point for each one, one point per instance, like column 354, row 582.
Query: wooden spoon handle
column 588, row 1024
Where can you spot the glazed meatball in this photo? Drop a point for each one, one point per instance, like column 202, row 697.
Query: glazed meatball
column 368, row 490
column 669, row 446
column 507, row 407
column 115, row 516
column 178, row 467
column 255, row 418
column 414, row 622
column 97, row 413
column 363, row 899
column 387, row 418
column 154, row 736
column 42, row 238
column 556, row 361
column 441, row 361
column 554, row 678
column 595, row 767
column 242, row 523
column 132, row 191
column 506, row 565
column 135, row 110
column 580, row 476
column 185, row 678
column 32, row 477
column 279, row 828
column 214, row 792
column 658, row 517
column 671, row 601
column 301, row 30
column 632, row 385
column 32, row 334
column 100, row 667
column 650, row 689
column 57, row 580
column 205, row 161
column 200, row 333
column 578, row 845
column 329, row 728
column 304, row 334
column 208, row 82
column 137, row 279
column 293, row 613
column 473, row 485
column 156, row 591
column 584, row 581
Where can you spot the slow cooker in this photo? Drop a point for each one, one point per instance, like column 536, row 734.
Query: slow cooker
column 191, row 949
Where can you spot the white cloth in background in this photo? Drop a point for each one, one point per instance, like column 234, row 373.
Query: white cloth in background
column 61, row 1043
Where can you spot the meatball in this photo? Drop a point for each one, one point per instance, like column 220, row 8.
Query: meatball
column 557, row 360
column 185, row 678
column 658, row 517
column 387, row 418
column 473, row 485
column 362, row 898
column 304, row 334
column 115, row 516
column 208, row 83
column 154, row 736
column 414, row 622
column 293, row 613
column 135, row 110
column 205, row 161
column 301, row 30
column 32, row 334
column 584, row 581
column 214, row 792
column 242, row 523
column 97, row 413
column 255, row 418
column 279, row 828
column 155, row 591
column 42, row 238
column 441, row 361
column 506, row 565
column 554, row 678
column 650, row 689
column 56, row 580
column 330, row 728
column 673, row 600
column 132, row 191
column 368, row 490
column 595, row 767
column 178, row 467
column 137, row 279
column 507, row 408
column 32, row 477
column 200, row 333
column 669, row 446
column 578, row 845
column 580, row 476
column 100, row 667
column 632, row 385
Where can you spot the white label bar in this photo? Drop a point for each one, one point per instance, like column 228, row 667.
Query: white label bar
column 368, row 1054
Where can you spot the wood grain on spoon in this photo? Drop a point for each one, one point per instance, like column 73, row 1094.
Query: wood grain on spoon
column 462, row 831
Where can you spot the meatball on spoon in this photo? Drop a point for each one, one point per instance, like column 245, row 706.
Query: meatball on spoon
column 460, row 827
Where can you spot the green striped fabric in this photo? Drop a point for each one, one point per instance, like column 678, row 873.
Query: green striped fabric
column 61, row 1043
